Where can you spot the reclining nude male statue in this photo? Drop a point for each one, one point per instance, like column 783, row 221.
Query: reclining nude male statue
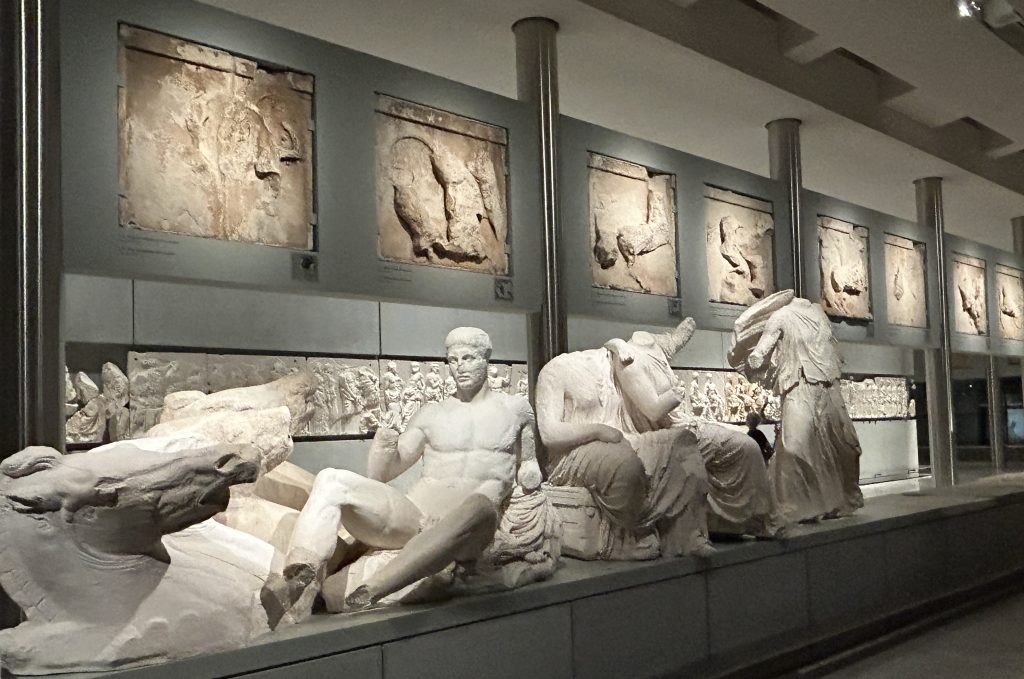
column 612, row 424
column 475, row 446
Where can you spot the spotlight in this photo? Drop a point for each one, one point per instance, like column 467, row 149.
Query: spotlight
column 968, row 8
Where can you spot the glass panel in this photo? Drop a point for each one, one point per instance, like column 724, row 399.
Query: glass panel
column 974, row 458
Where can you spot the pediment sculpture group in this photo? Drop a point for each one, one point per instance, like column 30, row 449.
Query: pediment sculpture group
column 201, row 536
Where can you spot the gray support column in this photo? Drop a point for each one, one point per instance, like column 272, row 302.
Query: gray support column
column 997, row 440
column 784, row 159
column 537, row 83
column 941, row 427
column 31, row 363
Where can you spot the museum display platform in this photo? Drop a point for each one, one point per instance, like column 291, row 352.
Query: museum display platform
column 754, row 601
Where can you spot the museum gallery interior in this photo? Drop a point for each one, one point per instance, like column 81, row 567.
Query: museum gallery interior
column 542, row 338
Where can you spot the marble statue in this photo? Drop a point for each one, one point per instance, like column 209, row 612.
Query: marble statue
column 1010, row 287
column 632, row 227
column 213, row 144
column 740, row 251
column 843, row 264
column 906, row 301
column 434, row 390
column 441, row 188
column 70, row 395
column 786, row 343
column 970, row 309
column 82, row 553
column 475, row 448
column 92, row 412
column 615, row 424
column 154, row 375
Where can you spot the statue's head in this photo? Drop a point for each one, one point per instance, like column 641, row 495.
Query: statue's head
column 414, row 367
column 468, row 350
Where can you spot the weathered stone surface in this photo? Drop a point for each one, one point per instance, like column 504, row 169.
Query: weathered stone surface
column 264, row 430
column 843, row 264
column 213, row 144
column 152, row 376
column 119, row 425
column 70, row 395
column 1010, row 292
column 877, row 398
column 740, row 235
column 88, row 424
column 85, row 389
column 347, row 396
column 906, row 299
column 115, row 387
column 632, row 227
column 407, row 385
column 720, row 396
column 230, row 371
column 520, row 379
column 294, row 391
column 970, row 310
column 123, row 597
column 441, row 188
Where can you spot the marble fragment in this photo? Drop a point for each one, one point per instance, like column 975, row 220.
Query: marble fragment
column 441, row 188
column 906, row 301
column 70, row 395
column 1010, row 296
column 294, row 391
column 843, row 265
column 740, row 233
column 124, row 597
column 115, row 387
column 85, row 389
column 213, row 144
column 88, row 423
column 970, row 309
column 632, row 227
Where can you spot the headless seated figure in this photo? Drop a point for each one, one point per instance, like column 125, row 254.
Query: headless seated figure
column 645, row 483
column 470, row 445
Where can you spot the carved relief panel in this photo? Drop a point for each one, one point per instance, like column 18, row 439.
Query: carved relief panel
column 153, row 375
column 906, row 301
column 347, row 397
column 877, row 398
column 1010, row 296
column 969, row 305
column 843, row 265
column 722, row 396
column 213, row 144
column 632, row 227
column 740, row 233
column 441, row 188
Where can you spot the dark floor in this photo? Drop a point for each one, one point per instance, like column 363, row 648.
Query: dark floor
column 985, row 644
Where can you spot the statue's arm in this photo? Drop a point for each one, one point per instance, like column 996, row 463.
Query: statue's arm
column 561, row 436
column 528, row 476
column 391, row 453
column 639, row 391
column 772, row 331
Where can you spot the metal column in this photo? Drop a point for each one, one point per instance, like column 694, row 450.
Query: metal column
column 31, row 363
column 941, row 427
column 996, row 438
column 784, row 159
column 537, row 83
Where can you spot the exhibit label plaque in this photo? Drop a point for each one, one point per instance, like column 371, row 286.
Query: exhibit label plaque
column 213, row 144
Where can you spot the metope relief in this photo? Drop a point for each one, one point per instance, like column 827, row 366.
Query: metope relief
column 441, row 188
column 632, row 227
column 740, row 233
column 843, row 264
column 213, row 144
column 906, row 302
column 969, row 306
column 1010, row 295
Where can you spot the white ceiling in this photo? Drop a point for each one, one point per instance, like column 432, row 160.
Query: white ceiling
column 617, row 75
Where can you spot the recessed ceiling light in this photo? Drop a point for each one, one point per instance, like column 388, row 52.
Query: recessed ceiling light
column 968, row 8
